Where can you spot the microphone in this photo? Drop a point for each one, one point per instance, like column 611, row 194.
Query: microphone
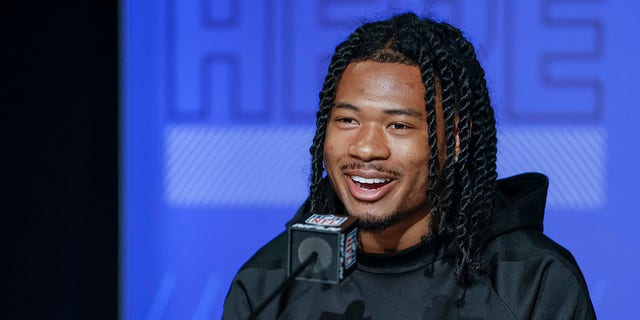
column 333, row 238
column 322, row 249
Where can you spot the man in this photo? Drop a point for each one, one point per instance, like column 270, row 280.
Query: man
column 406, row 135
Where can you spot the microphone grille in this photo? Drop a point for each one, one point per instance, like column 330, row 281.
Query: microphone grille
column 325, row 253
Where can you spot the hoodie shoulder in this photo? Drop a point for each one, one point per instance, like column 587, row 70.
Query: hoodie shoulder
column 535, row 276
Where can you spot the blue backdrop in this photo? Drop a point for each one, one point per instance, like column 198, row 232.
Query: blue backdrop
column 218, row 103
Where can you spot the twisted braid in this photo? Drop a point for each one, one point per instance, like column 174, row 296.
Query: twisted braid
column 450, row 101
column 478, row 213
column 433, row 193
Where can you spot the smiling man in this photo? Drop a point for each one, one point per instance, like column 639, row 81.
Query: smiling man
column 406, row 136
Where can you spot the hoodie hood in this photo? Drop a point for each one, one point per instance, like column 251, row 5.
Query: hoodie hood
column 520, row 203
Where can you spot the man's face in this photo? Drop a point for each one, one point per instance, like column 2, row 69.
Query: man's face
column 376, row 148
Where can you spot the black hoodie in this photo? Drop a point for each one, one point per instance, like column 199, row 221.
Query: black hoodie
column 526, row 275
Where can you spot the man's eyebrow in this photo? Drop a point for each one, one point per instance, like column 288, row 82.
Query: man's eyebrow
column 404, row 112
column 347, row 106
column 392, row 111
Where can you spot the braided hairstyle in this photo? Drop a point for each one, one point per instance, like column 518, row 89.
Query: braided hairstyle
column 462, row 182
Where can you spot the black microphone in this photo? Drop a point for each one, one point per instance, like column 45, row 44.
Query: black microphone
column 322, row 249
column 333, row 238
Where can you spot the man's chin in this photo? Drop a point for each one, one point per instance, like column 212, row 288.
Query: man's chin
column 377, row 224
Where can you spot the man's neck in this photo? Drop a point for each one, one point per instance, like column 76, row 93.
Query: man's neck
column 400, row 236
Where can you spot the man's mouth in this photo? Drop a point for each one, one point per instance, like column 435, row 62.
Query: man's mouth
column 369, row 183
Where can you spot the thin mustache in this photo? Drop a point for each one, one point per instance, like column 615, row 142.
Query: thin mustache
column 369, row 166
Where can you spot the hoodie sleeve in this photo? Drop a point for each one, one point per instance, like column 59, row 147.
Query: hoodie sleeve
column 255, row 280
column 561, row 296
column 236, row 305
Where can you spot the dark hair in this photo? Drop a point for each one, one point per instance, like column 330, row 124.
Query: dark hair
column 461, row 190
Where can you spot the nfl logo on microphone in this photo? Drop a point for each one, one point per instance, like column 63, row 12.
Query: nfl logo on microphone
column 325, row 220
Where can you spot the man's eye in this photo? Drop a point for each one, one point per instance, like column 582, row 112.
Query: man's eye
column 347, row 120
column 400, row 126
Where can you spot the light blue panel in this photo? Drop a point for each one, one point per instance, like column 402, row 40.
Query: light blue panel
column 573, row 157
column 238, row 167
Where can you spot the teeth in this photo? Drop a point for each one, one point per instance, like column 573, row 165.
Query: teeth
column 369, row 180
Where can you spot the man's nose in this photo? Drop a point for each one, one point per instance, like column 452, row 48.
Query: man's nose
column 370, row 144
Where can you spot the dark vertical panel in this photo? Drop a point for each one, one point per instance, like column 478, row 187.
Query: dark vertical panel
column 60, row 115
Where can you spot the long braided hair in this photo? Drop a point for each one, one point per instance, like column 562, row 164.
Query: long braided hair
column 461, row 182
